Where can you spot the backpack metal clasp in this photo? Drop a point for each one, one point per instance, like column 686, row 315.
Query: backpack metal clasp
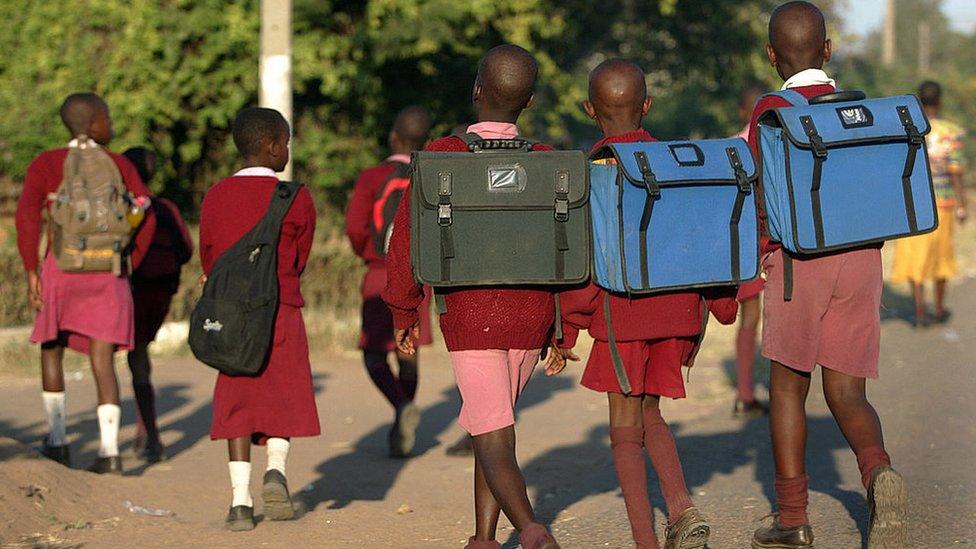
column 650, row 181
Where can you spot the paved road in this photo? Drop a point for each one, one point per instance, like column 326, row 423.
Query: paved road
column 358, row 497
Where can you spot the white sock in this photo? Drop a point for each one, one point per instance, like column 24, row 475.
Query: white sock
column 277, row 453
column 240, row 483
column 54, row 406
column 109, row 416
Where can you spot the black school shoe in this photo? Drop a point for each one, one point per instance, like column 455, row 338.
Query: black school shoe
column 153, row 453
column 690, row 531
column 277, row 499
column 777, row 537
column 107, row 466
column 240, row 518
column 887, row 501
column 60, row 454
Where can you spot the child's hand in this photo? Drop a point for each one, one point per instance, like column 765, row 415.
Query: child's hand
column 404, row 339
column 557, row 360
column 34, row 295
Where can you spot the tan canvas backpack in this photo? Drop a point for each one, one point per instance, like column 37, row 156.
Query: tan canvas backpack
column 91, row 229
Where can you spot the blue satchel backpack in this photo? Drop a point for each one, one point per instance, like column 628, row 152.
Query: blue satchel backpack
column 840, row 171
column 673, row 215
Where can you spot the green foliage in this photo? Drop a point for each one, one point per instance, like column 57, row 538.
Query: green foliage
column 176, row 71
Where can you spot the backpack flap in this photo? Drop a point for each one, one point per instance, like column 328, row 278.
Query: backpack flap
column 690, row 202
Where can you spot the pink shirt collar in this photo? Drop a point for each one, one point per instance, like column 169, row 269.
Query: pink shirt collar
column 404, row 158
column 494, row 130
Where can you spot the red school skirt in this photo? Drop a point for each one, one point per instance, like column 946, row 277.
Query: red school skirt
column 280, row 401
column 653, row 366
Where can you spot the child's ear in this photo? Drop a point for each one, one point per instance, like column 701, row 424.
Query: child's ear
column 771, row 54
column 828, row 50
column 530, row 101
column 646, row 107
column 588, row 109
column 476, row 93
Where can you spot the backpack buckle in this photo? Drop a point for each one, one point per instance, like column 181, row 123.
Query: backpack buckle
column 914, row 137
column 444, row 218
column 650, row 182
column 562, row 210
column 741, row 179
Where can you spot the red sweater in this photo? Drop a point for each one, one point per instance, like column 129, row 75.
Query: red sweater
column 43, row 178
column 640, row 318
column 766, row 104
column 482, row 318
column 359, row 213
column 234, row 206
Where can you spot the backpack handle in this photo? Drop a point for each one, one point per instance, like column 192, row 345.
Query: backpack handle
column 839, row 97
column 478, row 144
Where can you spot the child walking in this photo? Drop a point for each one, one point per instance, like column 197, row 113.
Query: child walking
column 154, row 284
column 656, row 336
column 832, row 320
column 494, row 335
column 89, row 311
column 374, row 196
column 279, row 403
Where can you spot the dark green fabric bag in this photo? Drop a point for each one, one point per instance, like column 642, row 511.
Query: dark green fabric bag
column 232, row 325
column 506, row 215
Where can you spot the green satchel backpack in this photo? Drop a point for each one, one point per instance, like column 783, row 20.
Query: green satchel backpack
column 505, row 215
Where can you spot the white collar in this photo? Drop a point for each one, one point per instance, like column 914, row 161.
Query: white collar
column 256, row 171
column 89, row 142
column 809, row 77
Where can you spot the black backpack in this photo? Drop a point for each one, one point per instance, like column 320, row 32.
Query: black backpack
column 232, row 325
column 386, row 205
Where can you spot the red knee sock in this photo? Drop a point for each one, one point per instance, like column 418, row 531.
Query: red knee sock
column 791, row 499
column 745, row 355
column 628, row 459
column 869, row 459
column 660, row 446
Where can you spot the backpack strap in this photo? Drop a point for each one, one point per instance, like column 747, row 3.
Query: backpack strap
column 269, row 228
column 792, row 97
column 618, row 363
column 787, row 275
column 745, row 188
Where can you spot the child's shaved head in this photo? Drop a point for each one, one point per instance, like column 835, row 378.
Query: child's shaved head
column 506, row 81
column 618, row 95
column 412, row 127
column 255, row 126
column 79, row 110
column 798, row 38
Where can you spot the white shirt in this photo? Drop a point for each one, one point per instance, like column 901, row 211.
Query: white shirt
column 256, row 171
column 74, row 143
column 809, row 77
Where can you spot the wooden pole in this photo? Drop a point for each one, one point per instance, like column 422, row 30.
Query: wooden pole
column 888, row 38
column 275, row 69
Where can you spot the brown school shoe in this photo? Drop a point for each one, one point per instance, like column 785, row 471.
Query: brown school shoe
column 749, row 410
column 777, row 537
column 60, row 454
column 240, row 518
column 277, row 499
column 403, row 434
column 690, row 531
column 887, row 501
column 107, row 466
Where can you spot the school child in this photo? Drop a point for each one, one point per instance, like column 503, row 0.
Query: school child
column 932, row 257
column 279, row 403
column 749, row 294
column 87, row 311
column 494, row 334
column 154, row 284
column 832, row 321
column 369, row 215
column 656, row 336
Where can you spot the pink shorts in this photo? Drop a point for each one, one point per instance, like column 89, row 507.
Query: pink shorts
column 833, row 319
column 490, row 382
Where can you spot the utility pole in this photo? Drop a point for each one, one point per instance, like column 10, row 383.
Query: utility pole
column 275, row 69
column 888, row 36
column 924, row 47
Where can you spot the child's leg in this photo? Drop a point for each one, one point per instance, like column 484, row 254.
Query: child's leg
column 239, row 453
column 486, row 508
column 918, row 296
column 788, row 390
column 274, row 490
column 52, row 383
column 407, row 375
column 495, row 452
column 107, row 385
column 940, row 295
column 664, row 457
column 857, row 419
column 627, row 444
column 379, row 371
column 745, row 345
column 142, row 388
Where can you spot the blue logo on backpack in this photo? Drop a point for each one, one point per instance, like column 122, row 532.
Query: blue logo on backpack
column 841, row 172
column 673, row 215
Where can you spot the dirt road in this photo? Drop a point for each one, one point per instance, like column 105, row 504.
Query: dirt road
column 360, row 498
